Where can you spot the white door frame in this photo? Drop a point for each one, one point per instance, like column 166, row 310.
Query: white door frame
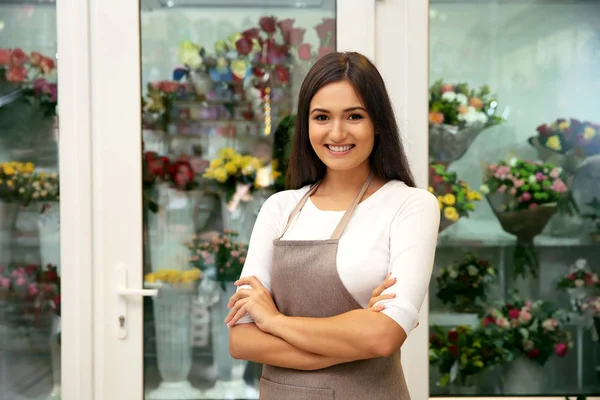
column 75, row 199
column 116, row 179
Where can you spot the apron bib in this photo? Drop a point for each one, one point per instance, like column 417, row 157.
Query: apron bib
column 305, row 283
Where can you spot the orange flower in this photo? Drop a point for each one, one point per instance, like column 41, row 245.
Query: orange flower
column 436, row 118
column 462, row 109
column 476, row 103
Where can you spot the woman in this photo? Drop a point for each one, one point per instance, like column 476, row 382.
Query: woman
column 301, row 308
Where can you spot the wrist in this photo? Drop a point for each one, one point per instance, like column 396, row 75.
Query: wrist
column 275, row 324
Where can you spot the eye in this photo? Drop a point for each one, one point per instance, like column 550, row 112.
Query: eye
column 321, row 117
column 355, row 117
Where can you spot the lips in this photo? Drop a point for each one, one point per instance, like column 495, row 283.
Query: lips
column 340, row 149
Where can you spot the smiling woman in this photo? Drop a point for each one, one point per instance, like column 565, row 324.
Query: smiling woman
column 320, row 251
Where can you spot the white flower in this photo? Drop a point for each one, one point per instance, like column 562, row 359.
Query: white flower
column 453, row 274
column 35, row 195
column 532, row 179
column 21, row 190
column 44, row 193
column 462, row 99
column 580, row 264
column 472, row 270
column 490, row 271
column 472, row 116
column 449, row 96
column 484, row 189
column 579, row 283
column 513, row 162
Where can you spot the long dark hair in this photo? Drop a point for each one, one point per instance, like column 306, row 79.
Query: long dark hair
column 388, row 159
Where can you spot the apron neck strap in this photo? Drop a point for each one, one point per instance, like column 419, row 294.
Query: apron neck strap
column 343, row 222
column 348, row 214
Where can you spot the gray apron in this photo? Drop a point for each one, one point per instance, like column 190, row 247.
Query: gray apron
column 305, row 283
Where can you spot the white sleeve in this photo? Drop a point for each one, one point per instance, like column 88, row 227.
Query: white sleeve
column 268, row 226
column 413, row 239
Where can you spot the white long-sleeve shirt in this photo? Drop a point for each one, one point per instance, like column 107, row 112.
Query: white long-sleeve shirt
column 394, row 230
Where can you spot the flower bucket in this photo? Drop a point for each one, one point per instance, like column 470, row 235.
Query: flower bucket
column 445, row 224
column 170, row 227
column 449, row 143
column 570, row 162
column 523, row 377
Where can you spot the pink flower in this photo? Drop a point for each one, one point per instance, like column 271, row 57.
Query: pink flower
column 550, row 324
column 492, row 167
column 526, row 196
column 532, row 206
column 446, row 87
column 561, row 349
column 502, row 322
column 513, row 313
column 539, row 177
column 524, row 316
column 21, row 282
column 513, row 191
column 4, row 282
column 519, row 182
column 555, row 173
column 242, row 259
column 502, row 171
column 502, row 189
column 559, row 186
column 33, row 289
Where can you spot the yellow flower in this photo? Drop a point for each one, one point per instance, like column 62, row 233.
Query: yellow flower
column 564, row 125
column 9, row 170
column 465, row 185
column 226, row 153
column 478, row 364
column 231, row 168
column 255, row 163
column 10, row 183
column 451, row 214
column 217, row 162
column 246, row 160
column 209, row 173
column 589, row 133
column 441, row 201
column 28, row 168
column 237, row 159
column 221, row 174
column 449, row 199
column 189, row 54
column 150, row 278
column 430, row 189
column 553, row 143
column 474, row 196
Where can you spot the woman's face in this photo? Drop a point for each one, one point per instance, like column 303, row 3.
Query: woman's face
column 339, row 128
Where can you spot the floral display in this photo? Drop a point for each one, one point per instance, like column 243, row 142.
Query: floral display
column 457, row 105
column 172, row 276
column 463, row 284
column 19, row 183
column 591, row 306
column 29, row 72
column 535, row 330
column 455, row 197
column 579, row 276
column 202, row 253
column 527, row 184
column 570, row 135
column 463, row 352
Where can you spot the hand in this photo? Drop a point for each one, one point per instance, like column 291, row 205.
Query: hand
column 376, row 295
column 256, row 301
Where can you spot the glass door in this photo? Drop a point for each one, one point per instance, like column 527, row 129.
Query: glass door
column 45, row 293
column 514, row 141
column 197, row 102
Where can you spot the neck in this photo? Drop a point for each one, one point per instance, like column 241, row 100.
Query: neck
column 342, row 182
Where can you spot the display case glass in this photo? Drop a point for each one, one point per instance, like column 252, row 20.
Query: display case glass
column 219, row 84
column 514, row 148
column 30, row 265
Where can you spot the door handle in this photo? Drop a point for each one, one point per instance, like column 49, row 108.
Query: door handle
column 123, row 294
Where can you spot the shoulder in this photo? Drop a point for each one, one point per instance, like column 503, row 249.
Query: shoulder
column 406, row 201
column 282, row 203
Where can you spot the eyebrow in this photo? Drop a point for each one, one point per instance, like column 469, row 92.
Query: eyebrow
column 345, row 110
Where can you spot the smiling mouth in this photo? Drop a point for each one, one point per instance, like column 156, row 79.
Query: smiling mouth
column 339, row 149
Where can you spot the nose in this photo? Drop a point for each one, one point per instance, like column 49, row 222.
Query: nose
column 337, row 133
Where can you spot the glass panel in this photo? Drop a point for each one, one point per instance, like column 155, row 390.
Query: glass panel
column 514, row 144
column 30, row 327
column 219, row 87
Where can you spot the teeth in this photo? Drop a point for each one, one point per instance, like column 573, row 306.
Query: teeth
column 340, row 148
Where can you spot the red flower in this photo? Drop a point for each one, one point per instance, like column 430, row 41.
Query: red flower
column 514, row 313
column 47, row 65
column 544, row 130
column 489, row 320
column 183, row 174
column 35, row 58
column 326, row 50
column 16, row 74
column 533, row 353
column 5, row 56
column 294, row 37
column 453, row 349
column 453, row 336
column 30, row 269
column 268, row 24
column 18, row 58
column 325, row 28
column 282, row 74
column 250, row 34
column 304, row 51
column 286, row 25
column 243, row 45
column 571, row 277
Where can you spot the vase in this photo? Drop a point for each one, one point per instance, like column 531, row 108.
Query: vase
column 170, row 227
column 449, row 143
column 570, row 161
column 172, row 319
column 55, row 347
column 8, row 220
column 49, row 233
column 445, row 224
column 230, row 384
column 523, row 377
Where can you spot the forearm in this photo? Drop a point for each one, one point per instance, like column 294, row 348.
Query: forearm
column 353, row 335
column 248, row 342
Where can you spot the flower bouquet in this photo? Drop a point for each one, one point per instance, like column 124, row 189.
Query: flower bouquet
column 579, row 283
column 594, row 216
column 457, row 115
column 533, row 332
column 455, row 197
column 172, row 318
column 27, row 101
column 567, row 143
column 463, row 284
column 591, row 308
column 524, row 195
column 462, row 353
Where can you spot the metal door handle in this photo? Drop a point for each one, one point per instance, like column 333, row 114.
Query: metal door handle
column 123, row 294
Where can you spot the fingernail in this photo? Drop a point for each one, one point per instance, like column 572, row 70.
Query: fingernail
column 393, row 294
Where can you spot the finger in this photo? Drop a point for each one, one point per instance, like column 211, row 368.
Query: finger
column 235, row 309
column 240, row 294
column 377, row 299
column 378, row 308
column 239, row 314
column 387, row 283
column 249, row 280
